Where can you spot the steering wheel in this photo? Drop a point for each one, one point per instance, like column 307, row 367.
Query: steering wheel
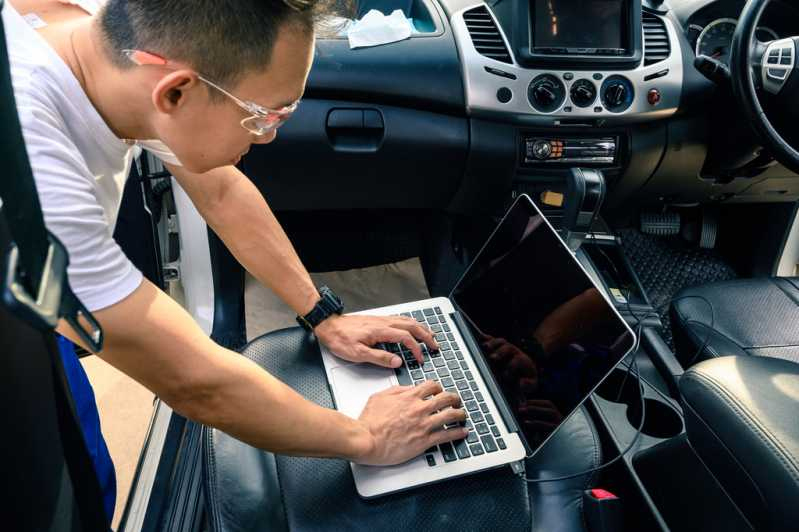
column 771, row 67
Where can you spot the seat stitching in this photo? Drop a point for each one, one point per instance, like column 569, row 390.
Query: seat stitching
column 697, row 322
column 734, row 459
column 211, row 459
column 687, row 320
column 282, row 493
column 791, row 281
column 595, row 463
column 773, row 281
column 706, row 345
column 787, row 459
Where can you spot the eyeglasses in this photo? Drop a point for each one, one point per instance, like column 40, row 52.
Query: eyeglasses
column 261, row 121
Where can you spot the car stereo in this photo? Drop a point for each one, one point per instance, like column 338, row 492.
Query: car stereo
column 578, row 33
column 580, row 27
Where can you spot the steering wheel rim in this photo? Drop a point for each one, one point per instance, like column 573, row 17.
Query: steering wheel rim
column 743, row 86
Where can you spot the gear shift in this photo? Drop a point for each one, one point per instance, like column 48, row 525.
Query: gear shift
column 585, row 192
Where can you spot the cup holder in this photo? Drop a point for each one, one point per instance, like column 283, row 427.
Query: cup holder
column 661, row 421
column 620, row 387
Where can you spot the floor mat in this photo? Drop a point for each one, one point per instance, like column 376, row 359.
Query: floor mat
column 360, row 289
column 666, row 265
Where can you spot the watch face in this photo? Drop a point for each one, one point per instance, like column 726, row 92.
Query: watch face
column 331, row 300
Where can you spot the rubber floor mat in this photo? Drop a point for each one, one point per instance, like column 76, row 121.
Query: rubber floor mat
column 666, row 265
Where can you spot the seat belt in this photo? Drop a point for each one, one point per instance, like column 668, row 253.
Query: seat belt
column 34, row 292
column 35, row 286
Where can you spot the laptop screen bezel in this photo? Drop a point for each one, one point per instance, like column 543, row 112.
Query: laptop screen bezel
column 489, row 374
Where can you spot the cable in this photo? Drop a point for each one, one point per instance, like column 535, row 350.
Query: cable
column 712, row 324
column 639, row 325
column 614, row 460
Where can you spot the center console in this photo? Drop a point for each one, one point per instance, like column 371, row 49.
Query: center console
column 568, row 62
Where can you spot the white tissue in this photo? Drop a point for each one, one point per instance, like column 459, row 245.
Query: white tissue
column 375, row 28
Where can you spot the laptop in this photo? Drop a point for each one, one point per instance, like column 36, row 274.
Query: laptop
column 524, row 338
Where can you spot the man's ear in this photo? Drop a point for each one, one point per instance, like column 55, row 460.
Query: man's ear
column 172, row 91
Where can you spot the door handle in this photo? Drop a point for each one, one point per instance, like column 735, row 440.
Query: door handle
column 355, row 130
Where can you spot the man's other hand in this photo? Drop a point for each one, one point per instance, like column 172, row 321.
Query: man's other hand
column 403, row 421
column 353, row 338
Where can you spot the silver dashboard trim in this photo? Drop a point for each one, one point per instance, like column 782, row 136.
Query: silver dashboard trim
column 481, row 87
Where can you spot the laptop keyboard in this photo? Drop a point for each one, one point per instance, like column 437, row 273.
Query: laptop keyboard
column 448, row 367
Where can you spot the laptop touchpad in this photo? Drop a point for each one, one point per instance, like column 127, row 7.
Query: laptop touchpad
column 355, row 383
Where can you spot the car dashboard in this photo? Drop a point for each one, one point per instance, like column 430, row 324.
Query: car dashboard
column 488, row 100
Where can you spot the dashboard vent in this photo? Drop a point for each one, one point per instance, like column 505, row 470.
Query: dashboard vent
column 656, row 40
column 485, row 35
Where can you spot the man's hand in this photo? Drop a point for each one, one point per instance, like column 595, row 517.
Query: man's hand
column 353, row 337
column 402, row 423
column 516, row 369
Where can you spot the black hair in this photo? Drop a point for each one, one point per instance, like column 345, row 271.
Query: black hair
column 222, row 39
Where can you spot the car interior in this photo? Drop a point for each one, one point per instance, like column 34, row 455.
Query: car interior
column 657, row 136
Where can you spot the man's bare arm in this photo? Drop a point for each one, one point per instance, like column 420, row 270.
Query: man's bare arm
column 235, row 209
column 238, row 213
column 152, row 339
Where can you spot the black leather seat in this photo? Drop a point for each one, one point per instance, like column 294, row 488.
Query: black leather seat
column 750, row 317
column 247, row 489
column 741, row 419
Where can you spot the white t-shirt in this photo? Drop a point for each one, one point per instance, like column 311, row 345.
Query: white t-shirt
column 79, row 165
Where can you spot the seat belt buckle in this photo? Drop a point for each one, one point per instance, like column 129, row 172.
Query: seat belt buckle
column 54, row 298
column 603, row 511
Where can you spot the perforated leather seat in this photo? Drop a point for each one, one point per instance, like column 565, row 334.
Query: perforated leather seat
column 247, row 489
column 749, row 317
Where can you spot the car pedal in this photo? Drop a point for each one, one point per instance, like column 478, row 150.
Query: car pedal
column 710, row 229
column 660, row 223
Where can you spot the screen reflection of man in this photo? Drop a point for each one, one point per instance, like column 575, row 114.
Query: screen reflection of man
column 546, row 336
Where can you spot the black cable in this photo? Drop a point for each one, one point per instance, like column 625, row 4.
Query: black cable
column 639, row 325
column 712, row 324
column 614, row 460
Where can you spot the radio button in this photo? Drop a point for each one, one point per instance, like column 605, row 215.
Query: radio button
column 542, row 149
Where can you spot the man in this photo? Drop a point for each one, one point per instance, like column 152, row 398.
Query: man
column 206, row 78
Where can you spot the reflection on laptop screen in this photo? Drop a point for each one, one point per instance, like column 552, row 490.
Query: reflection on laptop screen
column 547, row 333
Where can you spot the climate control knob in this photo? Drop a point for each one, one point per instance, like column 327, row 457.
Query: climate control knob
column 546, row 93
column 617, row 94
column 583, row 93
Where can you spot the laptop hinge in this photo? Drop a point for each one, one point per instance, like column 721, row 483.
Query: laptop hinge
column 488, row 377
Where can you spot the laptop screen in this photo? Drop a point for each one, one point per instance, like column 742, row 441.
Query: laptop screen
column 547, row 333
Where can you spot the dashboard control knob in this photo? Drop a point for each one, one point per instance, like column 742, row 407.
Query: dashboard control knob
column 617, row 94
column 542, row 149
column 583, row 93
column 546, row 93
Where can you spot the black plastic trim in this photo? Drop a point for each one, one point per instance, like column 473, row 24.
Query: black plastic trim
column 663, row 358
column 423, row 72
column 229, row 328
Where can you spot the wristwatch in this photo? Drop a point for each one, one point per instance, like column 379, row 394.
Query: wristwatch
column 329, row 304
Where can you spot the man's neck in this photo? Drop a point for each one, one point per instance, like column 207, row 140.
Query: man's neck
column 121, row 104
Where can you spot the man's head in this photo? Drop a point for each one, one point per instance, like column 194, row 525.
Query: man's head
column 258, row 50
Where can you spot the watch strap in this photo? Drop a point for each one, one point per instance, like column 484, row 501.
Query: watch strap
column 328, row 304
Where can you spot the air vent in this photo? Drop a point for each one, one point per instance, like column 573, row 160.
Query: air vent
column 656, row 40
column 485, row 35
